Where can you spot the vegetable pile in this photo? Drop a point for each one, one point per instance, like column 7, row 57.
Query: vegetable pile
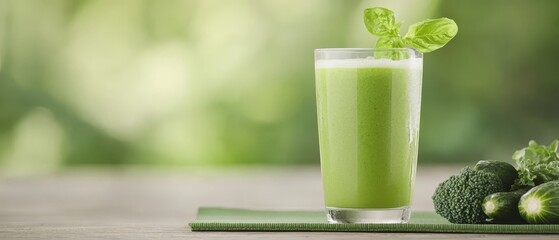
column 497, row 192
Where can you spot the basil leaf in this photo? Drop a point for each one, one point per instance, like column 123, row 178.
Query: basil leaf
column 431, row 34
column 385, row 42
column 425, row 36
column 380, row 22
column 391, row 42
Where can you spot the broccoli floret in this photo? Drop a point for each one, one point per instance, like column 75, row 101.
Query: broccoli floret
column 459, row 198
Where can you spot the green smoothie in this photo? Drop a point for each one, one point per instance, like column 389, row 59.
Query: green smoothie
column 368, row 116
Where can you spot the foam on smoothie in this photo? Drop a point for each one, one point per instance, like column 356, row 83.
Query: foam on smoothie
column 369, row 62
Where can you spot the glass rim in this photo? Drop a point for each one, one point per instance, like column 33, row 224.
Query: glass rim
column 363, row 49
column 351, row 53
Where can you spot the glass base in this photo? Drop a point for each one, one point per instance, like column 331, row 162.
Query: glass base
column 368, row 215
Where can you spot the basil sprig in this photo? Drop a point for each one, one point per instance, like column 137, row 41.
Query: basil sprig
column 425, row 36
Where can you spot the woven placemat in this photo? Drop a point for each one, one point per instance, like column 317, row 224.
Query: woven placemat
column 227, row 219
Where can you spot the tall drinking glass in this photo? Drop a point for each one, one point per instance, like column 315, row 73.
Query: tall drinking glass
column 368, row 103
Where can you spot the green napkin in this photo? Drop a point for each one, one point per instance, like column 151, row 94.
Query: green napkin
column 223, row 219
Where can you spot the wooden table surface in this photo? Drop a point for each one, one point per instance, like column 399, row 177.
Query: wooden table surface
column 158, row 204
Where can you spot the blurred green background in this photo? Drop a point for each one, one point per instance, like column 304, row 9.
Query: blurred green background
column 217, row 82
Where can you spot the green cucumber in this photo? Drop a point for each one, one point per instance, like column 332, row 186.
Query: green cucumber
column 505, row 171
column 502, row 207
column 541, row 204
